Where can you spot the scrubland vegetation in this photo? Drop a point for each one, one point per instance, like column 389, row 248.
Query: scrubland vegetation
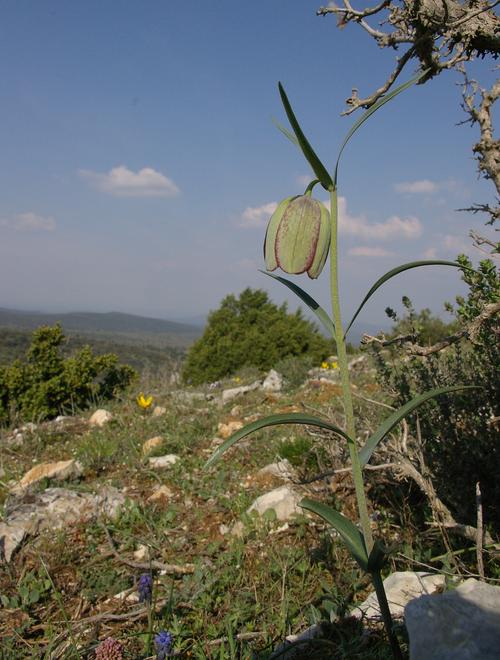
column 221, row 596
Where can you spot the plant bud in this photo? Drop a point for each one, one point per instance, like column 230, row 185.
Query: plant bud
column 298, row 236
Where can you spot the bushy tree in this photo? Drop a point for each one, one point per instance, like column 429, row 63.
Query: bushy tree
column 459, row 432
column 45, row 384
column 251, row 331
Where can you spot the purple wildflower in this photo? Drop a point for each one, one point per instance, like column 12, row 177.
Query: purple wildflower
column 109, row 649
column 145, row 588
column 163, row 644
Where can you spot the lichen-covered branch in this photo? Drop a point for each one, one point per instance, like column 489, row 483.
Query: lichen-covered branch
column 440, row 35
column 487, row 149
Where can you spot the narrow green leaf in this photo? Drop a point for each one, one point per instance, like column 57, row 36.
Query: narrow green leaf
column 394, row 419
column 286, row 132
column 385, row 99
column 318, row 168
column 309, row 301
column 274, row 420
column 392, row 273
column 350, row 534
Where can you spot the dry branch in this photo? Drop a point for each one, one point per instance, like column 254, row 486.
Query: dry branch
column 471, row 332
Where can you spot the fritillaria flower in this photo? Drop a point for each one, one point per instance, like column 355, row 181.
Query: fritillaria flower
column 298, row 236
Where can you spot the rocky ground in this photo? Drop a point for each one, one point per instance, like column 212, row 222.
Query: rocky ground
column 92, row 503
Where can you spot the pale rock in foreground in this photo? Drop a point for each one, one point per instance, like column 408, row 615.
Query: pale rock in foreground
column 282, row 469
column 53, row 509
column 273, row 382
column 284, row 501
column 463, row 624
column 161, row 493
column 142, row 552
column 56, row 471
column 234, row 392
column 163, row 461
column 225, row 430
column 151, row 444
column 288, row 652
column 100, row 418
column 401, row 587
column 158, row 411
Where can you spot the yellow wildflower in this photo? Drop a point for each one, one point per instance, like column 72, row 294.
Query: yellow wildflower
column 144, row 402
column 325, row 365
column 335, row 365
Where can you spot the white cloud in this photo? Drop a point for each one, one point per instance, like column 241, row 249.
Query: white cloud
column 122, row 182
column 417, row 187
column 455, row 244
column 29, row 222
column 392, row 228
column 304, row 179
column 258, row 216
column 426, row 187
column 365, row 251
column 430, row 253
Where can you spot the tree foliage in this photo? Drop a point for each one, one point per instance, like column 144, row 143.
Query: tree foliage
column 251, row 331
column 459, row 433
column 44, row 384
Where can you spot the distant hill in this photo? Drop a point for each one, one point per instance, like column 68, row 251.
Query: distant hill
column 100, row 322
column 130, row 327
column 145, row 343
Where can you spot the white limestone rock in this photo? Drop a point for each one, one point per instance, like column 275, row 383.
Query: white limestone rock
column 273, row 382
column 100, row 418
column 401, row 587
column 163, row 461
column 463, row 624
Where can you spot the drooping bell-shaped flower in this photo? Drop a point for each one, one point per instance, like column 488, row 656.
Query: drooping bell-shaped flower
column 298, row 236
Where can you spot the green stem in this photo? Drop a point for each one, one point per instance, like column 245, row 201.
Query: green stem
column 357, row 472
column 344, row 375
column 386, row 615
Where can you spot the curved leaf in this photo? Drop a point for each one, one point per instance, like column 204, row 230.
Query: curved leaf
column 309, row 301
column 394, row 419
column 396, row 271
column 286, row 132
column 274, row 420
column 350, row 534
column 318, row 168
column 385, row 99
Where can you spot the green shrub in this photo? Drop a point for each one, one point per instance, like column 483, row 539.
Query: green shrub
column 251, row 331
column 45, row 384
column 458, row 431
column 423, row 325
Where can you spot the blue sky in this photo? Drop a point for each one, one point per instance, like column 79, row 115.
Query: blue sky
column 139, row 161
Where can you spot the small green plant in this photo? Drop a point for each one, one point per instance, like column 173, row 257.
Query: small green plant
column 45, row 384
column 299, row 237
column 32, row 589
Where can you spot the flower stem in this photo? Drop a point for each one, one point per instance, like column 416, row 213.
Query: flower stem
column 357, row 472
column 345, row 380
column 386, row 614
